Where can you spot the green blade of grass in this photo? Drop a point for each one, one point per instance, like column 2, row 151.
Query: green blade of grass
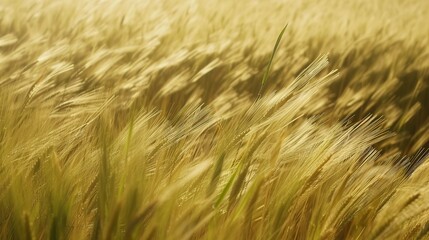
column 268, row 68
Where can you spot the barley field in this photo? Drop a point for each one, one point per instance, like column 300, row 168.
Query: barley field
column 192, row 119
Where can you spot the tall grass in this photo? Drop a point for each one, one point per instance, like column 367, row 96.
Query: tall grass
column 147, row 120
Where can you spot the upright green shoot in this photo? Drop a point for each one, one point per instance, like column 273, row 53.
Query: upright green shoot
column 270, row 63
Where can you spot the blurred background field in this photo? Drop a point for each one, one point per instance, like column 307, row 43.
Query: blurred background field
column 141, row 119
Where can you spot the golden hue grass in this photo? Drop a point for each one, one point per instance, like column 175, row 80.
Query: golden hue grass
column 148, row 119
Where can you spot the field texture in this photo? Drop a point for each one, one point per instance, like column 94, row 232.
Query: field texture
column 192, row 119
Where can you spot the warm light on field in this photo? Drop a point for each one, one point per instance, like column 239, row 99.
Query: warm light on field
column 192, row 119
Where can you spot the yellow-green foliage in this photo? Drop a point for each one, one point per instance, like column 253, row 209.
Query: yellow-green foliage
column 154, row 119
